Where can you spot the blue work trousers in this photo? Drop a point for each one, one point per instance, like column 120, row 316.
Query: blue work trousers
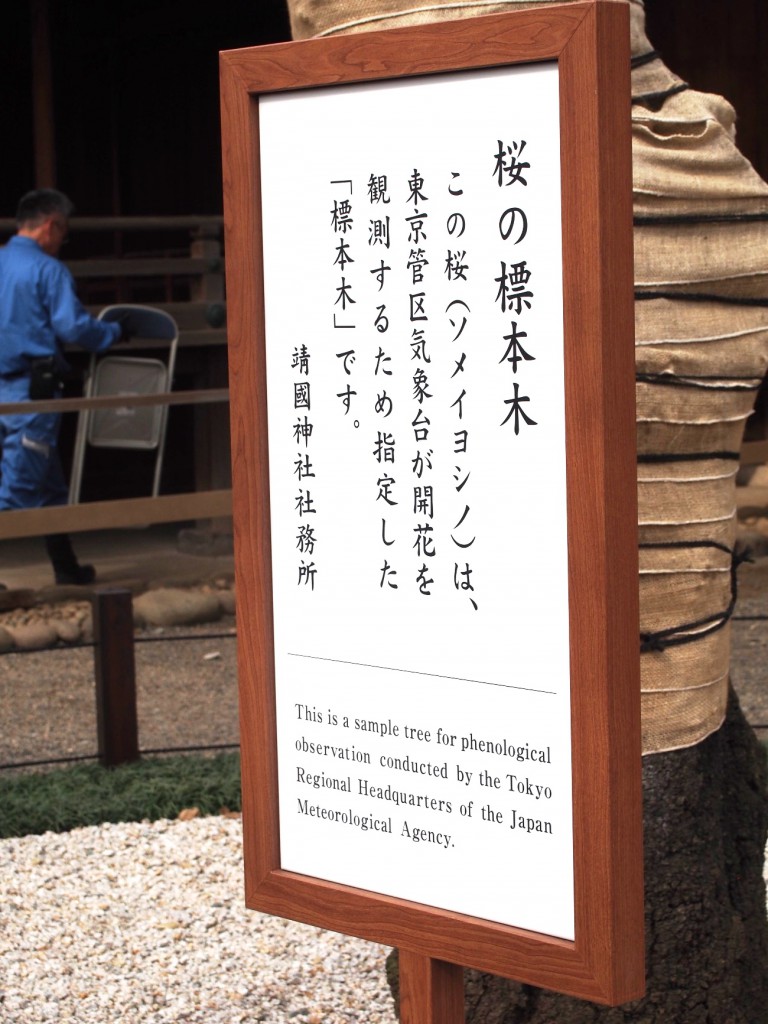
column 30, row 468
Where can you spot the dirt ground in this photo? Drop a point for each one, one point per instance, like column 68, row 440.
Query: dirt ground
column 186, row 695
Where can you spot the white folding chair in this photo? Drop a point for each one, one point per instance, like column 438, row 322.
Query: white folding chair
column 136, row 427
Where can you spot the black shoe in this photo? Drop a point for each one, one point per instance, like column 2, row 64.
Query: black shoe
column 80, row 576
column 66, row 569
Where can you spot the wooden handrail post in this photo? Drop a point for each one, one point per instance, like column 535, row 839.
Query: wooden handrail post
column 206, row 244
column 431, row 991
column 116, row 718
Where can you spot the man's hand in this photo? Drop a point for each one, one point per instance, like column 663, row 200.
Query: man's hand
column 126, row 330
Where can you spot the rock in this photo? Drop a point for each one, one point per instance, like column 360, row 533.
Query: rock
column 67, row 630
column 86, row 629
column 6, row 641
column 227, row 601
column 173, row 607
column 34, row 636
column 11, row 599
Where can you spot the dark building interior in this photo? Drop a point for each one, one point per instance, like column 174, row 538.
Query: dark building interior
column 720, row 48
column 134, row 90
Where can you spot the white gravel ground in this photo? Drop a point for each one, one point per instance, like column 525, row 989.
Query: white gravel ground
column 144, row 923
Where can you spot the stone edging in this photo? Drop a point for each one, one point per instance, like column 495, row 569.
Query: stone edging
column 35, row 620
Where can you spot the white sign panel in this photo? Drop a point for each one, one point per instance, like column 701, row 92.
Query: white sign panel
column 414, row 334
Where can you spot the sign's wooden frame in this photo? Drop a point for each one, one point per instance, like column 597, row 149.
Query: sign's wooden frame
column 590, row 42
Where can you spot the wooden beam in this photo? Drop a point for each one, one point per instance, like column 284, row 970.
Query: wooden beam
column 109, row 515
column 207, row 397
column 208, row 223
column 188, row 315
column 186, row 339
column 754, row 499
column 203, row 222
column 754, row 453
column 127, row 266
column 431, row 991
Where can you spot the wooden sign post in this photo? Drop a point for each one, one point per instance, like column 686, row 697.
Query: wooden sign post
column 429, row 270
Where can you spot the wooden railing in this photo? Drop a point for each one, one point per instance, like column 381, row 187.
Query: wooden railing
column 125, row 512
column 754, row 453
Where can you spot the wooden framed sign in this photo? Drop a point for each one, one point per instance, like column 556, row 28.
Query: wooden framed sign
column 429, row 268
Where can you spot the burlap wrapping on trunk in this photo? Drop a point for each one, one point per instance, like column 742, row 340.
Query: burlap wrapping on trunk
column 701, row 269
column 326, row 17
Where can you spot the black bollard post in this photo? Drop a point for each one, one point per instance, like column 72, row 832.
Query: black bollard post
column 115, row 666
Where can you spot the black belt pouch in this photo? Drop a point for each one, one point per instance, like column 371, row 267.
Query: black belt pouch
column 44, row 380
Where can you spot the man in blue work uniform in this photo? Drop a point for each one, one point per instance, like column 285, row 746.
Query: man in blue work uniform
column 40, row 312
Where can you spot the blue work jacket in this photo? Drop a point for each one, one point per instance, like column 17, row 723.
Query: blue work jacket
column 40, row 311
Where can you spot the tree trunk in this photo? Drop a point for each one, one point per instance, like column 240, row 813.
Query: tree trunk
column 706, row 822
